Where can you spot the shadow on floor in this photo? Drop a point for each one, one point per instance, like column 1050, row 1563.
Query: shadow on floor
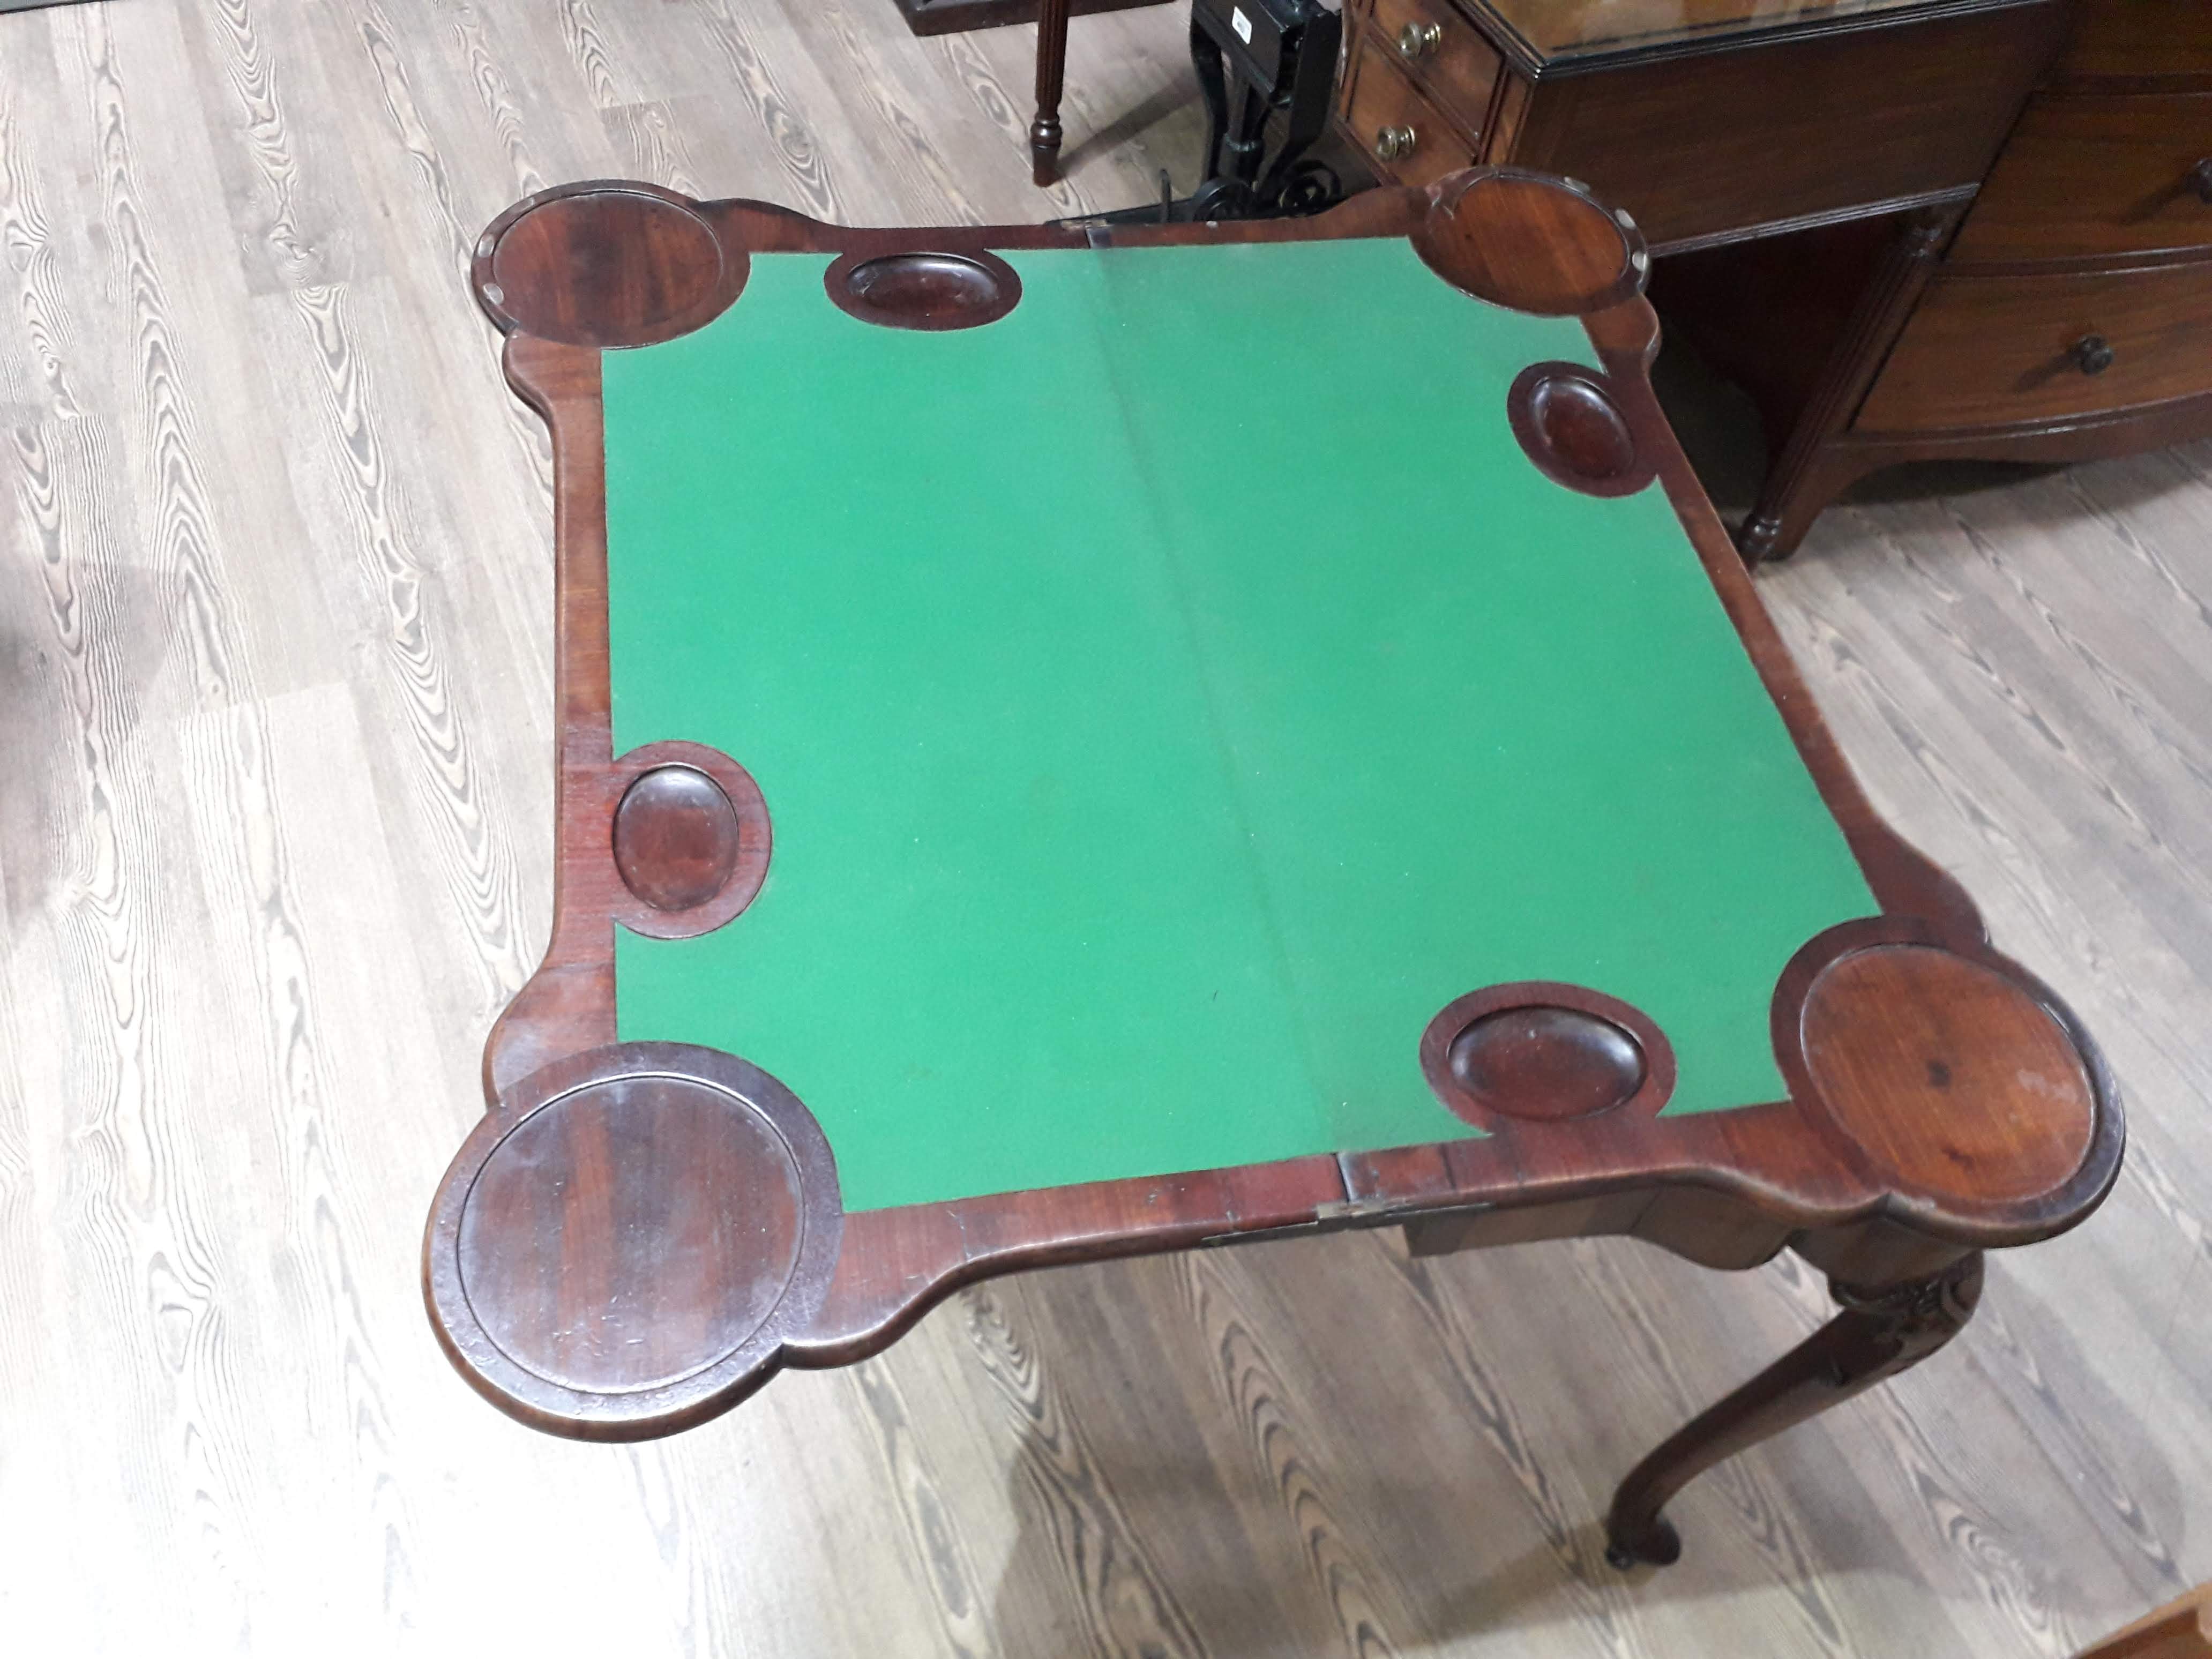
column 1720, row 430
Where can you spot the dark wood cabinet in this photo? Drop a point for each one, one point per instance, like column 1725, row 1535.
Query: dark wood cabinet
column 2072, row 316
column 1913, row 228
column 1714, row 121
column 1409, row 128
column 1983, row 350
column 2088, row 175
column 1431, row 40
column 1754, row 139
column 2159, row 43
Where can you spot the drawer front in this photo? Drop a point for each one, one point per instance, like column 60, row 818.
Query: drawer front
column 2144, row 41
column 1404, row 135
column 1716, row 143
column 1998, row 350
column 1446, row 55
column 2088, row 175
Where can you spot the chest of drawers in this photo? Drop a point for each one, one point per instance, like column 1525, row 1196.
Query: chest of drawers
column 1712, row 121
column 1910, row 227
column 2072, row 315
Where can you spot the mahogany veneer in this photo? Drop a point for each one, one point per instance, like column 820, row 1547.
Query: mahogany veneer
column 1862, row 134
column 1816, row 193
column 638, row 1235
column 2065, row 314
column 1746, row 128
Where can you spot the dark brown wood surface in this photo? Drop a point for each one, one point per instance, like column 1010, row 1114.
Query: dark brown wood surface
column 689, row 837
column 1809, row 383
column 927, row 291
column 1446, row 54
column 1546, row 1053
column 1773, row 315
column 928, row 17
column 1776, row 146
column 1569, row 423
column 644, row 1229
column 1399, row 129
column 2092, row 175
column 2180, row 1630
column 2064, row 321
column 2004, row 350
column 1051, row 72
column 1868, row 1179
column 278, row 843
column 1520, row 241
column 2144, row 44
column 1876, row 1336
column 1722, row 143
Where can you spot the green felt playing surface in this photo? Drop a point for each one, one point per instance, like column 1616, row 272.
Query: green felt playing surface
column 1167, row 698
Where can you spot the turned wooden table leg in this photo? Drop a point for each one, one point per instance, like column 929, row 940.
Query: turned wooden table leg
column 1051, row 67
column 1880, row 1332
column 1809, row 472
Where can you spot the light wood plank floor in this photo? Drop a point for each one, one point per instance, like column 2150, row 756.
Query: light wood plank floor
column 275, row 838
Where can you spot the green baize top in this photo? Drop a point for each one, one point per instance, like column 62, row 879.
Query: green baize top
column 1167, row 698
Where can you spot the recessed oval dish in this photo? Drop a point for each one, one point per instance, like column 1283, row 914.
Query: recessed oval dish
column 1546, row 1062
column 925, row 288
column 675, row 838
column 1544, row 1052
column 688, row 835
column 1571, row 425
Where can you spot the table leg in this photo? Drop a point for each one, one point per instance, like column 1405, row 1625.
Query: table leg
column 1808, row 474
column 1882, row 1332
column 1051, row 67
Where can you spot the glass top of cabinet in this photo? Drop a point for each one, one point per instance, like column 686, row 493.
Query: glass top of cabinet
column 1557, row 30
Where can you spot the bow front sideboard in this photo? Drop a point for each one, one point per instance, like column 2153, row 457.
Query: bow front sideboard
column 1909, row 229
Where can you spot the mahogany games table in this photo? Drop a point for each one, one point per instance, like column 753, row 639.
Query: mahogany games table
column 1074, row 744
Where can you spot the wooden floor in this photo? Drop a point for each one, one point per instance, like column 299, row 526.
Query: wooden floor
column 275, row 831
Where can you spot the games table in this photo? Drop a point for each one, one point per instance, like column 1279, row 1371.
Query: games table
column 1081, row 743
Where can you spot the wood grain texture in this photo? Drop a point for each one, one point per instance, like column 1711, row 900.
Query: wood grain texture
column 2180, row 1630
column 1840, row 1171
column 2006, row 350
column 222, row 1093
column 2086, row 175
column 1767, row 163
column 1722, row 143
column 2154, row 44
column 1442, row 52
column 1396, row 127
column 2094, row 208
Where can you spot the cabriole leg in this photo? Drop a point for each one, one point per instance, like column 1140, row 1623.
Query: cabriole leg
column 1882, row 1331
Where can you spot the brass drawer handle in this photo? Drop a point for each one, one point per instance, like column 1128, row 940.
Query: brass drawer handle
column 2091, row 354
column 1417, row 40
column 1393, row 142
column 2200, row 180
